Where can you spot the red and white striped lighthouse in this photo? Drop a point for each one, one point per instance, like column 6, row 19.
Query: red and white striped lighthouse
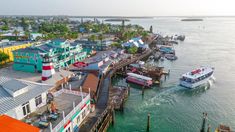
column 47, row 70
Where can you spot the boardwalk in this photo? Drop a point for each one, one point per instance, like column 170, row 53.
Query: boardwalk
column 94, row 119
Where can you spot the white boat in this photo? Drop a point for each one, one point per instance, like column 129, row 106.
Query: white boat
column 197, row 77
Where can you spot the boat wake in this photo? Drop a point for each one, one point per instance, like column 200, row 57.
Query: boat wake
column 165, row 96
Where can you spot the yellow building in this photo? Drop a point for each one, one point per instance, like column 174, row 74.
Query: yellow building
column 8, row 49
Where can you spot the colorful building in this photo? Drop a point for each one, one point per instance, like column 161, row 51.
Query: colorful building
column 8, row 48
column 60, row 52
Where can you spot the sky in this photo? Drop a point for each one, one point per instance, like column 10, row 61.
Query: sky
column 119, row 7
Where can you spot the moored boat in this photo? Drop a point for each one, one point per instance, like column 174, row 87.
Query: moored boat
column 139, row 79
column 197, row 77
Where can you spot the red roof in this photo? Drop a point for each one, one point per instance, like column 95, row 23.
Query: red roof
column 91, row 82
column 8, row 124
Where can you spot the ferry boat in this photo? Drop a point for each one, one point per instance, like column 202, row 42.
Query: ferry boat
column 197, row 77
column 139, row 79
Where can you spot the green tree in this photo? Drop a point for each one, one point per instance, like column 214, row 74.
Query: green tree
column 5, row 28
column 116, row 45
column 24, row 24
column 16, row 33
column 3, row 57
column 133, row 50
column 101, row 37
column 92, row 37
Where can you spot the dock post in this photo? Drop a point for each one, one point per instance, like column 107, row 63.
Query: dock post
column 148, row 123
column 113, row 116
column 129, row 90
column 122, row 105
column 203, row 122
column 209, row 128
column 142, row 90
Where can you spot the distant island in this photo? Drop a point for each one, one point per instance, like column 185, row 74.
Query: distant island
column 192, row 19
column 117, row 19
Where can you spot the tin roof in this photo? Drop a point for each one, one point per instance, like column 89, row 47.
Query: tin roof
column 9, row 124
column 8, row 102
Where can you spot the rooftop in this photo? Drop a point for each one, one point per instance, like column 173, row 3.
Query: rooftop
column 198, row 72
column 12, row 125
column 66, row 101
column 91, row 82
column 11, row 43
column 14, row 92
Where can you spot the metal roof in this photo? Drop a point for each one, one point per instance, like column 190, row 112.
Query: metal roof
column 13, row 85
column 7, row 102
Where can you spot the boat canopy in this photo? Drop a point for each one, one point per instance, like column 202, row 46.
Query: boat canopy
column 198, row 72
column 139, row 76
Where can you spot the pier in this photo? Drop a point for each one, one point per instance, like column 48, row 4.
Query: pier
column 99, row 120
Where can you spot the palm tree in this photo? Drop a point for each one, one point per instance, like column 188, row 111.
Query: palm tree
column 101, row 37
column 16, row 33
column 93, row 37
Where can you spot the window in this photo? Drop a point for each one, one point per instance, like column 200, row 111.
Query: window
column 38, row 100
column 83, row 114
column 78, row 119
column 68, row 130
column 26, row 109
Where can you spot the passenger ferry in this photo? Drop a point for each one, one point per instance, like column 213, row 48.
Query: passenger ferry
column 139, row 79
column 197, row 77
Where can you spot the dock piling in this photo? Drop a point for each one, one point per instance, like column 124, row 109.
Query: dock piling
column 142, row 90
column 209, row 128
column 148, row 123
column 113, row 116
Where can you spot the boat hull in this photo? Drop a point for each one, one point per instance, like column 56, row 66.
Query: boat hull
column 131, row 80
column 197, row 84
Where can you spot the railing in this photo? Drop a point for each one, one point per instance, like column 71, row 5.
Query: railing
column 74, row 110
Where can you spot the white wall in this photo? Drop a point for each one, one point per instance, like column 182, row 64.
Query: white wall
column 17, row 112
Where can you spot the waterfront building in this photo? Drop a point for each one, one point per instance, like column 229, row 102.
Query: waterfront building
column 61, row 53
column 20, row 98
column 34, row 36
column 137, row 42
column 8, row 48
column 95, row 45
column 59, row 111
column 9, row 124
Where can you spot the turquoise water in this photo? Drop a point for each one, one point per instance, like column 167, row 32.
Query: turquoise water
column 176, row 109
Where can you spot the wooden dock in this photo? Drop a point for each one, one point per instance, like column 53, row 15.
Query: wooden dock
column 99, row 120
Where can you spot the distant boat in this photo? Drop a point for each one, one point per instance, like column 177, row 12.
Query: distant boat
column 197, row 77
column 192, row 19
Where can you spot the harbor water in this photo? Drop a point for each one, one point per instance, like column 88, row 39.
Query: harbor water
column 176, row 109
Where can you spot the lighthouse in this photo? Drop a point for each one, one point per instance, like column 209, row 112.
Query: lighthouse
column 47, row 68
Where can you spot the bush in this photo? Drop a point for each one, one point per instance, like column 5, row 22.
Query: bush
column 3, row 57
column 133, row 50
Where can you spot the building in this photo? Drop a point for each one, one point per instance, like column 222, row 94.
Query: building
column 59, row 111
column 95, row 45
column 34, row 36
column 137, row 42
column 9, row 124
column 20, row 98
column 9, row 47
column 60, row 52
